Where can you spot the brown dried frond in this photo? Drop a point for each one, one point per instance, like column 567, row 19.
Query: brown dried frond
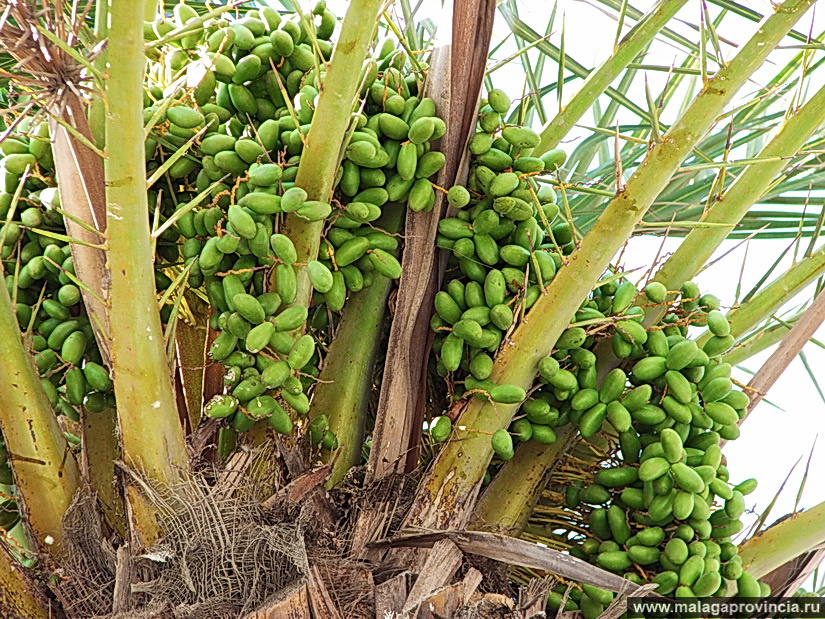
column 40, row 37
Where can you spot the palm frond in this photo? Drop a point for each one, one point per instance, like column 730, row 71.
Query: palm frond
column 738, row 135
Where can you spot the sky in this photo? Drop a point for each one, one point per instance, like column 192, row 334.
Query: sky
column 783, row 430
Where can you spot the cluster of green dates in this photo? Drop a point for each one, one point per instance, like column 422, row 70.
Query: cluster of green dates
column 669, row 369
column 506, row 242
column 662, row 511
column 40, row 278
column 227, row 120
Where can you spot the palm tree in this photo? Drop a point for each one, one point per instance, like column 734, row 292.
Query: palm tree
column 226, row 391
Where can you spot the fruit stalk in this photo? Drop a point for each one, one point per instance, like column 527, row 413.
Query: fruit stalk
column 45, row 471
column 448, row 491
column 343, row 390
column 320, row 157
column 151, row 433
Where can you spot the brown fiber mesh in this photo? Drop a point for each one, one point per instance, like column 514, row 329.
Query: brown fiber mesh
column 221, row 556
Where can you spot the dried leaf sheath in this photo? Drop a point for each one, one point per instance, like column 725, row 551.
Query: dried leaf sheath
column 82, row 195
column 454, row 83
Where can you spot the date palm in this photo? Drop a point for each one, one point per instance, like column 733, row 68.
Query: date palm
column 113, row 88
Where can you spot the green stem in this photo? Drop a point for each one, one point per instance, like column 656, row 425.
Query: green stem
column 580, row 160
column 598, row 81
column 19, row 596
column 756, row 343
column 508, row 501
column 343, row 389
column 750, row 186
column 746, row 190
column 523, row 31
column 97, row 109
column 190, row 342
column 449, row 489
column 774, row 295
column 783, row 541
column 45, row 471
column 319, row 159
column 151, row 433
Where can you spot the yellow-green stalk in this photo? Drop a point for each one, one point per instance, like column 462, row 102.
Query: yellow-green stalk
column 45, row 471
column 747, row 189
column 783, row 541
column 757, row 343
column 774, row 295
column 19, row 596
column 330, row 122
column 150, row 429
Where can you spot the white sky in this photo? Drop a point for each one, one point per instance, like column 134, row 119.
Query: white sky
column 774, row 437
